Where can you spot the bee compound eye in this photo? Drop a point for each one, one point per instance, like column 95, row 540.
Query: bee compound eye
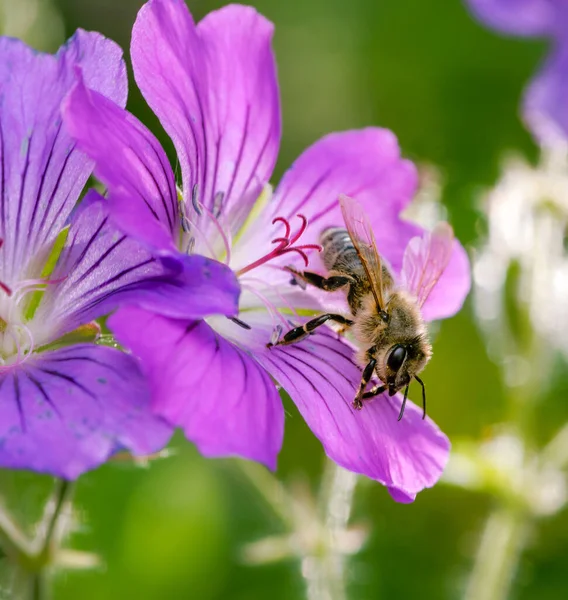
column 396, row 357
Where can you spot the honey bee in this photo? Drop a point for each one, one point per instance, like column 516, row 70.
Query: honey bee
column 386, row 320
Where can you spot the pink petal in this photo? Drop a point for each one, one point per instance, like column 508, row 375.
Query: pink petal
column 223, row 400
column 131, row 163
column 363, row 164
column 100, row 268
column 321, row 377
column 215, row 91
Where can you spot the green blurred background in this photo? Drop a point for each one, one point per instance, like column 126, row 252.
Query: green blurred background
column 450, row 90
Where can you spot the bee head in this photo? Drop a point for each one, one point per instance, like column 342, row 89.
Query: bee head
column 403, row 362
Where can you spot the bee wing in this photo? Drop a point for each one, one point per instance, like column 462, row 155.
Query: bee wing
column 425, row 259
column 363, row 239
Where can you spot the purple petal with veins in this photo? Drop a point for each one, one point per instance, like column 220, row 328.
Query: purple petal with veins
column 215, row 391
column 100, row 268
column 42, row 173
column 131, row 163
column 216, row 95
column 66, row 411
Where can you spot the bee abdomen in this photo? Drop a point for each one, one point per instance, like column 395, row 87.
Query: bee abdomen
column 338, row 253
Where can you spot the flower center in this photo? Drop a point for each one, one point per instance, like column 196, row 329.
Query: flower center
column 16, row 341
column 286, row 244
column 205, row 229
column 17, row 305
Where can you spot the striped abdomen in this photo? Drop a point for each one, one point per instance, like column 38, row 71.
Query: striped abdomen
column 340, row 258
column 339, row 253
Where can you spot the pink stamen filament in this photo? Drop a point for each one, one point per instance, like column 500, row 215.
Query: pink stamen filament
column 285, row 244
column 225, row 238
column 276, row 291
column 33, row 285
column 274, row 312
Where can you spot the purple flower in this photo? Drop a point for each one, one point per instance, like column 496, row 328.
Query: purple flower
column 214, row 88
column 545, row 108
column 67, row 403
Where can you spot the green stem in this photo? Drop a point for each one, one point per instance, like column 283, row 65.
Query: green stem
column 12, row 541
column 269, row 488
column 38, row 586
column 497, row 558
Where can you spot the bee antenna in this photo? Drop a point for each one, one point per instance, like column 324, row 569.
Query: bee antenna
column 403, row 403
column 423, row 396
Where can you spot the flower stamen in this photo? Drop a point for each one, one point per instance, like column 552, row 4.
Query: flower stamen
column 33, row 285
column 270, row 307
column 274, row 289
column 285, row 244
column 5, row 288
column 202, row 211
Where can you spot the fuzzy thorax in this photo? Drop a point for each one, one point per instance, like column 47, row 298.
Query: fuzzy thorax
column 376, row 337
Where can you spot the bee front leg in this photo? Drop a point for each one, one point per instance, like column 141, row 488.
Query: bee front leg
column 378, row 389
column 299, row 333
column 365, row 378
column 328, row 284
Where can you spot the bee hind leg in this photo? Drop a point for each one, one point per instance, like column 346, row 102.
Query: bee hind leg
column 299, row 333
column 328, row 284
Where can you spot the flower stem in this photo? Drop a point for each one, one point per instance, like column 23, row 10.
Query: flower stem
column 269, row 488
column 38, row 586
column 51, row 522
column 31, row 560
column 498, row 555
column 325, row 571
column 50, row 531
column 317, row 533
column 12, row 541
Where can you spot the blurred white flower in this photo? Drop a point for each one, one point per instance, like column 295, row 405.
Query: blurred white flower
column 505, row 467
column 527, row 214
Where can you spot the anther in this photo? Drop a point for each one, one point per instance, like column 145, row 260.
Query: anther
column 195, row 199
column 190, row 245
column 185, row 225
column 218, row 204
column 240, row 323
